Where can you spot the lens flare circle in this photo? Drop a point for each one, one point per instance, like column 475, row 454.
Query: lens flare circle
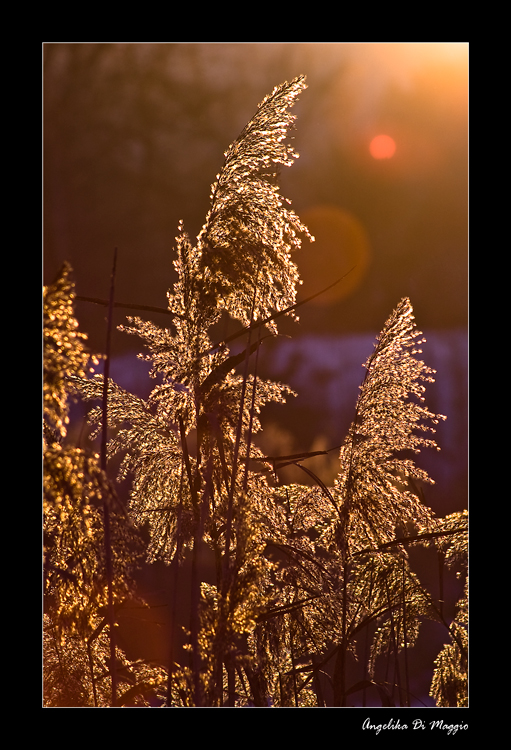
column 341, row 243
column 382, row 147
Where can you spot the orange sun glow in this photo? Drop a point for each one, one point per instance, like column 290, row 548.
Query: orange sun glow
column 382, row 147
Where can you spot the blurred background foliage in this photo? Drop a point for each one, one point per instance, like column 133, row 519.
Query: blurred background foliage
column 134, row 134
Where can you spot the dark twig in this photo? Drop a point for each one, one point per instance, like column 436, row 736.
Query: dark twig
column 128, row 306
column 263, row 322
column 106, row 511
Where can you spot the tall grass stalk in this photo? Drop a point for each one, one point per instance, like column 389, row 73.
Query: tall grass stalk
column 106, row 500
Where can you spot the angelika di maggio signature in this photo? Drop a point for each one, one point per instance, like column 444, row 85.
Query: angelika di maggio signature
column 415, row 724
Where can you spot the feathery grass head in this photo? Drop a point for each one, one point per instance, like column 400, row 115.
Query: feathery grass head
column 375, row 483
column 64, row 350
column 74, row 484
column 248, row 235
column 449, row 686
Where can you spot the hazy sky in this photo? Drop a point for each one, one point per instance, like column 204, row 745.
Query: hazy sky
column 134, row 135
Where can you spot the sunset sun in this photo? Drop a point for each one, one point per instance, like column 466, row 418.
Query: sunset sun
column 382, row 147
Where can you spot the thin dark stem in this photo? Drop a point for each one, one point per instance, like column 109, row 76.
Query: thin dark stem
column 195, row 578
column 93, row 679
column 252, row 409
column 321, row 484
column 393, row 646
column 92, row 638
column 196, row 588
column 441, row 581
column 295, row 684
column 173, row 604
column 106, row 512
column 366, row 639
column 129, row 306
column 405, row 639
column 186, row 457
column 318, row 688
column 166, row 311
column 239, row 430
column 340, row 662
column 279, row 314
column 407, row 540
